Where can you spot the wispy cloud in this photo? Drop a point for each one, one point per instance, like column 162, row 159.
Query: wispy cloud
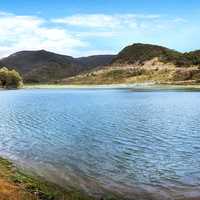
column 104, row 21
column 124, row 25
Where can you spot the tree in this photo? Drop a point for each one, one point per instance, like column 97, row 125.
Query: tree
column 10, row 78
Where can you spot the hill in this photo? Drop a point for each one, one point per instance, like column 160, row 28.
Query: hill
column 139, row 63
column 43, row 66
column 139, row 53
column 135, row 63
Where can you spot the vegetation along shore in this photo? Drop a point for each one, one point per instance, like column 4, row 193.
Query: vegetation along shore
column 17, row 185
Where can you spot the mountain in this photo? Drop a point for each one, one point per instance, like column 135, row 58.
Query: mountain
column 139, row 53
column 44, row 66
column 135, row 63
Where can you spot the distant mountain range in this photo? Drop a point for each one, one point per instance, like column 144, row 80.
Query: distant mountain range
column 43, row 66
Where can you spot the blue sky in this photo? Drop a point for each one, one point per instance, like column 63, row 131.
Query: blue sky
column 81, row 28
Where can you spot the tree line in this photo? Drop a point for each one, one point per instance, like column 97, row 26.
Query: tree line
column 10, row 78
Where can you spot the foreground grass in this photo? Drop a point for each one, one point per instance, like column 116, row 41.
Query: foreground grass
column 16, row 185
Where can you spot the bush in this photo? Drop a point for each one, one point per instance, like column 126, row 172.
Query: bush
column 10, row 78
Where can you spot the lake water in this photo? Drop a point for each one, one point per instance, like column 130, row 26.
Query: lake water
column 138, row 144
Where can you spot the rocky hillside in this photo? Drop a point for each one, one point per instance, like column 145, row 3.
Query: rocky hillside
column 44, row 66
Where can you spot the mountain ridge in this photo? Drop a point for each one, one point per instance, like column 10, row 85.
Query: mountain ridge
column 43, row 66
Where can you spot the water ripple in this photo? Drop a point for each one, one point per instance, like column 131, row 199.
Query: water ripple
column 141, row 143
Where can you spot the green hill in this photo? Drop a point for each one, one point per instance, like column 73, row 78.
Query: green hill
column 139, row 53
column 43, row 66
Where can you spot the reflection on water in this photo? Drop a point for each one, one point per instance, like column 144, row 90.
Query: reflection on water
column 141, row 144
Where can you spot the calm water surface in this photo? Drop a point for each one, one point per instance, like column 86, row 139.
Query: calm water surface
column 137, row 144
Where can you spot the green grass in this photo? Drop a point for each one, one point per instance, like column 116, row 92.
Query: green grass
column 36, row 188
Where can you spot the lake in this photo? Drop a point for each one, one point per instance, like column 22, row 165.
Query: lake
column 135, row 143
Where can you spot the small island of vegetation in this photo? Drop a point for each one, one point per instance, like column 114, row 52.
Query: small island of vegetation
column 10, row 79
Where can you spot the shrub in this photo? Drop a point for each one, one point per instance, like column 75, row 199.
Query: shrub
column 10, row 78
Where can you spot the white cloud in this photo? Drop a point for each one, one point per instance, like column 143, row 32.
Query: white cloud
column 83, row 34
column 31, row 33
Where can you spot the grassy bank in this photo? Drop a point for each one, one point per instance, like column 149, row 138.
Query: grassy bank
column 17, row 185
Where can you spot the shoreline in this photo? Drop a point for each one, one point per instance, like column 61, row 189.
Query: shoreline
column 19, row 184
column 15, row 184
column 147, row 86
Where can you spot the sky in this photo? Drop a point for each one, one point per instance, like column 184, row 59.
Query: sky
column 89, row 27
